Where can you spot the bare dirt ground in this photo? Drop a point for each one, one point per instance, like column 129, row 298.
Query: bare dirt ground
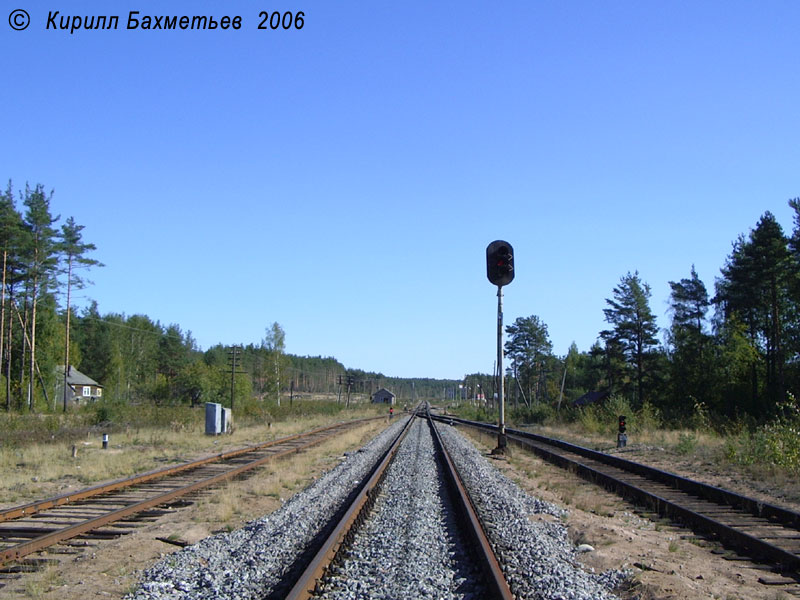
column 667, row 562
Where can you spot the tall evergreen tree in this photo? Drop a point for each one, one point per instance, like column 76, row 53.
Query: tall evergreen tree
column 173, row 354
column 93, row 335
column 73, row 249
column 689, row 302
column 528, row 346
column 634, row 327
column 41, row 265
column 10, row 242
column 691, row 351
column 756, row 285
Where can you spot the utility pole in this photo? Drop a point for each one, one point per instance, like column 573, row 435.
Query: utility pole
column 350, row 381
column 233, row 354
column 563, row 381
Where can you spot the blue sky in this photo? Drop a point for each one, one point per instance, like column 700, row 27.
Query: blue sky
column 345, row 179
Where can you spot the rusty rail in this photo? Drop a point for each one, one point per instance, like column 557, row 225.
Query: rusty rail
column 26, row 510
column 730, row 517
column 308, row 582
column 20, row 550
column 496, row 586
column 495, row 581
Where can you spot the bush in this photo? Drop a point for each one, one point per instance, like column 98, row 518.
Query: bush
column 687, row 442
column 602, row 419
column 777, row 443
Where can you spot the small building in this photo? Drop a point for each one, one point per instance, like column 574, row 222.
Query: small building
column 81, row 388
column 383, row 396
column 590, row 398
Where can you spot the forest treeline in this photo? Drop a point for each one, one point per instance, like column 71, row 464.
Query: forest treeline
column 134, row 358
column 730, row 352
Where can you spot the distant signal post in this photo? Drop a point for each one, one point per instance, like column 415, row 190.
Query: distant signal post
column 500, row 271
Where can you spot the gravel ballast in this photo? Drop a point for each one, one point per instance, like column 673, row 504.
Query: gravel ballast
column 538, row 558
column 409, row 547
column 248, row 563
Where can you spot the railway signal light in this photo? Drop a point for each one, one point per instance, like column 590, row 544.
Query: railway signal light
column 622, row 437
column 500, row 263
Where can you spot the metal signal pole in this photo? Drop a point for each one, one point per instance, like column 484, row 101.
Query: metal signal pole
column 501, row 437
column 500, row 272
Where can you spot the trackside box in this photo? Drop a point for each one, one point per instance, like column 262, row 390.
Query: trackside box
column 213, row 418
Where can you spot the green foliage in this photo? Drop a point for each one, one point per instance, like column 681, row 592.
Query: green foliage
column 539, row 413
column 115, row 415
column 20, row 429
column 528, row 347
column 602, row 418
column 758, row 288
column 475, row 413
column 648, row 418
column 268, row 411
column 777, row 443
column 631, row 343
column 687, row 442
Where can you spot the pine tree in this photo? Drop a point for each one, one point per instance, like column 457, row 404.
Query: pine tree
column 10, row 241
column 528, row 347
column 73, row 249
column 756, row 286
column 691, row 351
column 634, row 327
column 41, row 265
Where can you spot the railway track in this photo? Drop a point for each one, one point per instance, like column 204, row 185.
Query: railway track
column 111, row 509
column 324, row 578
column 764, row 532
column 380, row 524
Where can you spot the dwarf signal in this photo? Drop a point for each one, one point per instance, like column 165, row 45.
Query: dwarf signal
column 622, row 437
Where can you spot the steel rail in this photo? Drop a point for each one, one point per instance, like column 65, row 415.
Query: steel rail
column 53, row 537
column 308, row 582
column 26, row 510
column 495, row 581
column 767, row 515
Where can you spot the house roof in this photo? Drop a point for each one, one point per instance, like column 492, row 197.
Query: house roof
column 75, row 377
column 385, row 391
column 590, row 398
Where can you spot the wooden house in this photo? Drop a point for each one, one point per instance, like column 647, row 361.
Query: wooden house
column 81, row 388
column 383, row 396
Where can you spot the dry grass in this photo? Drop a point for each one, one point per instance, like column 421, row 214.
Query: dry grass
column 40, row 583
column 46, row 469
column 704, row 441
column 113, row 572
column 235, row 503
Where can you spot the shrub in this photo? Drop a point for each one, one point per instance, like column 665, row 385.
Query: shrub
column 538, row 413
column 687, row 442
column 777, row 443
